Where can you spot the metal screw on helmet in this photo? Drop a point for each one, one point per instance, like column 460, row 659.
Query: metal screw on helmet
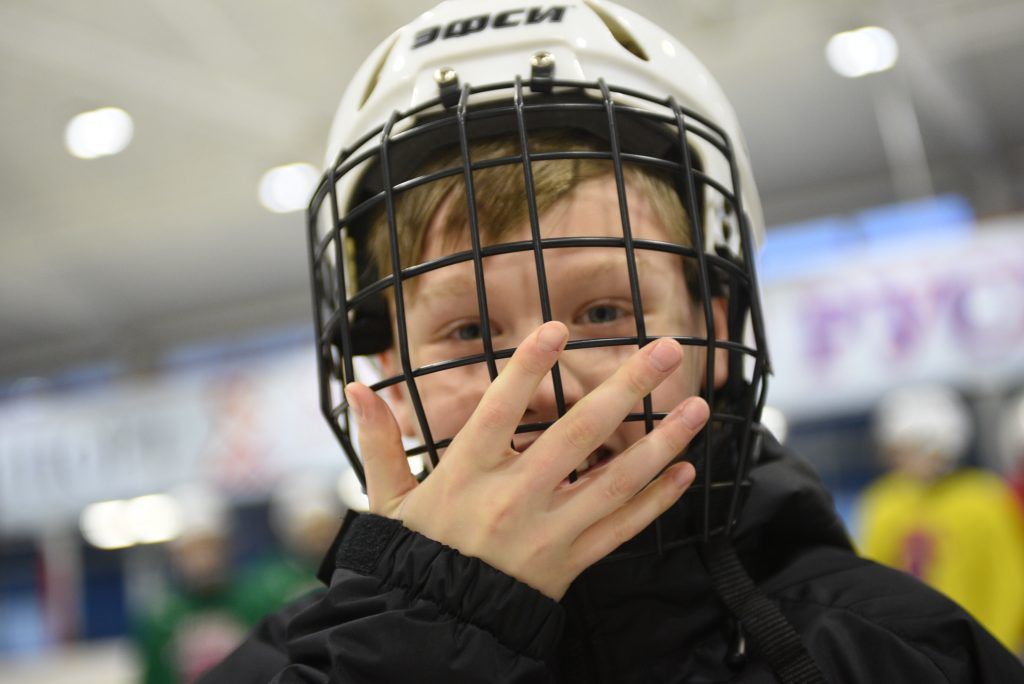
column 447, row 80
column 542, row 60
column 542, row 68
column 445, row 75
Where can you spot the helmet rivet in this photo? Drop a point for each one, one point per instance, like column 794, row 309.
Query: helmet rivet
column 445, row 75
column 542, row 60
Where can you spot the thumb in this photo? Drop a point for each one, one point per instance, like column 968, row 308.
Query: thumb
column 388, row 478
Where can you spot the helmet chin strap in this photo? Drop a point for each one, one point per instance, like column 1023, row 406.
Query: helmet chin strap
column 758, row 618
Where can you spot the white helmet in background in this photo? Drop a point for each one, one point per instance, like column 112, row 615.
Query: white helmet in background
column 200, row 555
column 1011, row 434
column 203, row 512
column 306, row 511
column 928, row 419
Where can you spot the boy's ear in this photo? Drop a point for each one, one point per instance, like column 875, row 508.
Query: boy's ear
column 719, row 311
column 396, row 394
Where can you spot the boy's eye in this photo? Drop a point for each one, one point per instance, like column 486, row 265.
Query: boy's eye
column 603, row 313
column 467, row 332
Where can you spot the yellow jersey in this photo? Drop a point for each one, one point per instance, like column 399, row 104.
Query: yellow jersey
column 962, row 534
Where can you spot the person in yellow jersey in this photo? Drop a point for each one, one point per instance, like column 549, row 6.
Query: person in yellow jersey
column 957, row 528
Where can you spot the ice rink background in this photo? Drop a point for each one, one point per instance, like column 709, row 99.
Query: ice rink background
column 154, row 316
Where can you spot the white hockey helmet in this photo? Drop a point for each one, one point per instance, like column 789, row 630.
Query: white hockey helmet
column 585, row 40
column 203, row 511
column 928, row 418
column 467, row 71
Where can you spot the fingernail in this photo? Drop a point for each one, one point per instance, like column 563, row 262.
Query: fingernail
column 550, row 337
column 666, row 354
column 353, row 404
column 695, row 413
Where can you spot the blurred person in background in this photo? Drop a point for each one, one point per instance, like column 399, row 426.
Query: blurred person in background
column 955, row 527
column 204, row 616
column 1012, row 445
column 305, row 512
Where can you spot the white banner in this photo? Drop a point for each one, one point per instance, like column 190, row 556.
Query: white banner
column 239, row 425
column 952, row 310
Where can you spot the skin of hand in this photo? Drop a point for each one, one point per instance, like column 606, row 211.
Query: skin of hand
column 516, row 510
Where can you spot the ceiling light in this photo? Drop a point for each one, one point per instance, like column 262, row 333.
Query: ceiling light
column 862, row 51
column 98, row 133
column 288, row 188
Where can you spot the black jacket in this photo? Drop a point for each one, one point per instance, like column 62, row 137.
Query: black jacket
column 403, row 608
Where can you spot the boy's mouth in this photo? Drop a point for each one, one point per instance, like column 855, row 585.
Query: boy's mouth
column 596, row 457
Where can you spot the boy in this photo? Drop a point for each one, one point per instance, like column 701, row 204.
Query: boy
column 555, row 275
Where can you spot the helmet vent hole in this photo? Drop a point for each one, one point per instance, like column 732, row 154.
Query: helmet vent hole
column 728, row 216
column 371, row 83
column 619, row 32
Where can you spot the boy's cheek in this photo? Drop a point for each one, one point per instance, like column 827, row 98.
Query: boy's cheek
column 450, row 397
column 592, row 366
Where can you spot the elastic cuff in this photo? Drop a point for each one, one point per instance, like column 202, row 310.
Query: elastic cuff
column 519, row 616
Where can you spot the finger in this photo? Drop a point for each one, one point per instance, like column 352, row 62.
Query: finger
column 614, row 530
column 587, row 424
column 388, row 478
column 496, row 417
column 600, row 492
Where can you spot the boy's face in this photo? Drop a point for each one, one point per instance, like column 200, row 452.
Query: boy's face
column 589, row 292
column 918, row 461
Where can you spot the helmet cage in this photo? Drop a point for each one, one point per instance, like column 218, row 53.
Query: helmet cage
column 351, row 319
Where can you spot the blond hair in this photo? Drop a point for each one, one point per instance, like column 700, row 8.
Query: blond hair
column 504, row 208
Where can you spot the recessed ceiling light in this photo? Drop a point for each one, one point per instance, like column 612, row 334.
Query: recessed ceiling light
column 98, row 133
column 863, row 51
column 288, row 188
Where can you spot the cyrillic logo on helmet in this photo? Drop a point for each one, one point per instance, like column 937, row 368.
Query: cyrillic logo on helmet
column 500, row 20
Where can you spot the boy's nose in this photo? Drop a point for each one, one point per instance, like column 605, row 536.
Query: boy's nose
column 543, row 405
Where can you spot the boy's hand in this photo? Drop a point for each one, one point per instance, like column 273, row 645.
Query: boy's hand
column 512, row 509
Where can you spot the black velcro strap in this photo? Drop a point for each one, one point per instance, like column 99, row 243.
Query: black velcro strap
column 769, row 632
column 359, row 544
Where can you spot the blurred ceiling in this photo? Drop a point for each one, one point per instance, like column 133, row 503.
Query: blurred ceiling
column 165, row 244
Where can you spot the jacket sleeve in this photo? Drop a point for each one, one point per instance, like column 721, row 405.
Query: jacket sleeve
column 401, row 607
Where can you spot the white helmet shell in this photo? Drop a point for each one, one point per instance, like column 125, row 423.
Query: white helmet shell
column 587, row 39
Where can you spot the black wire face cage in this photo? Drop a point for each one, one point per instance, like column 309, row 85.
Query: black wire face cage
column 351, row 314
